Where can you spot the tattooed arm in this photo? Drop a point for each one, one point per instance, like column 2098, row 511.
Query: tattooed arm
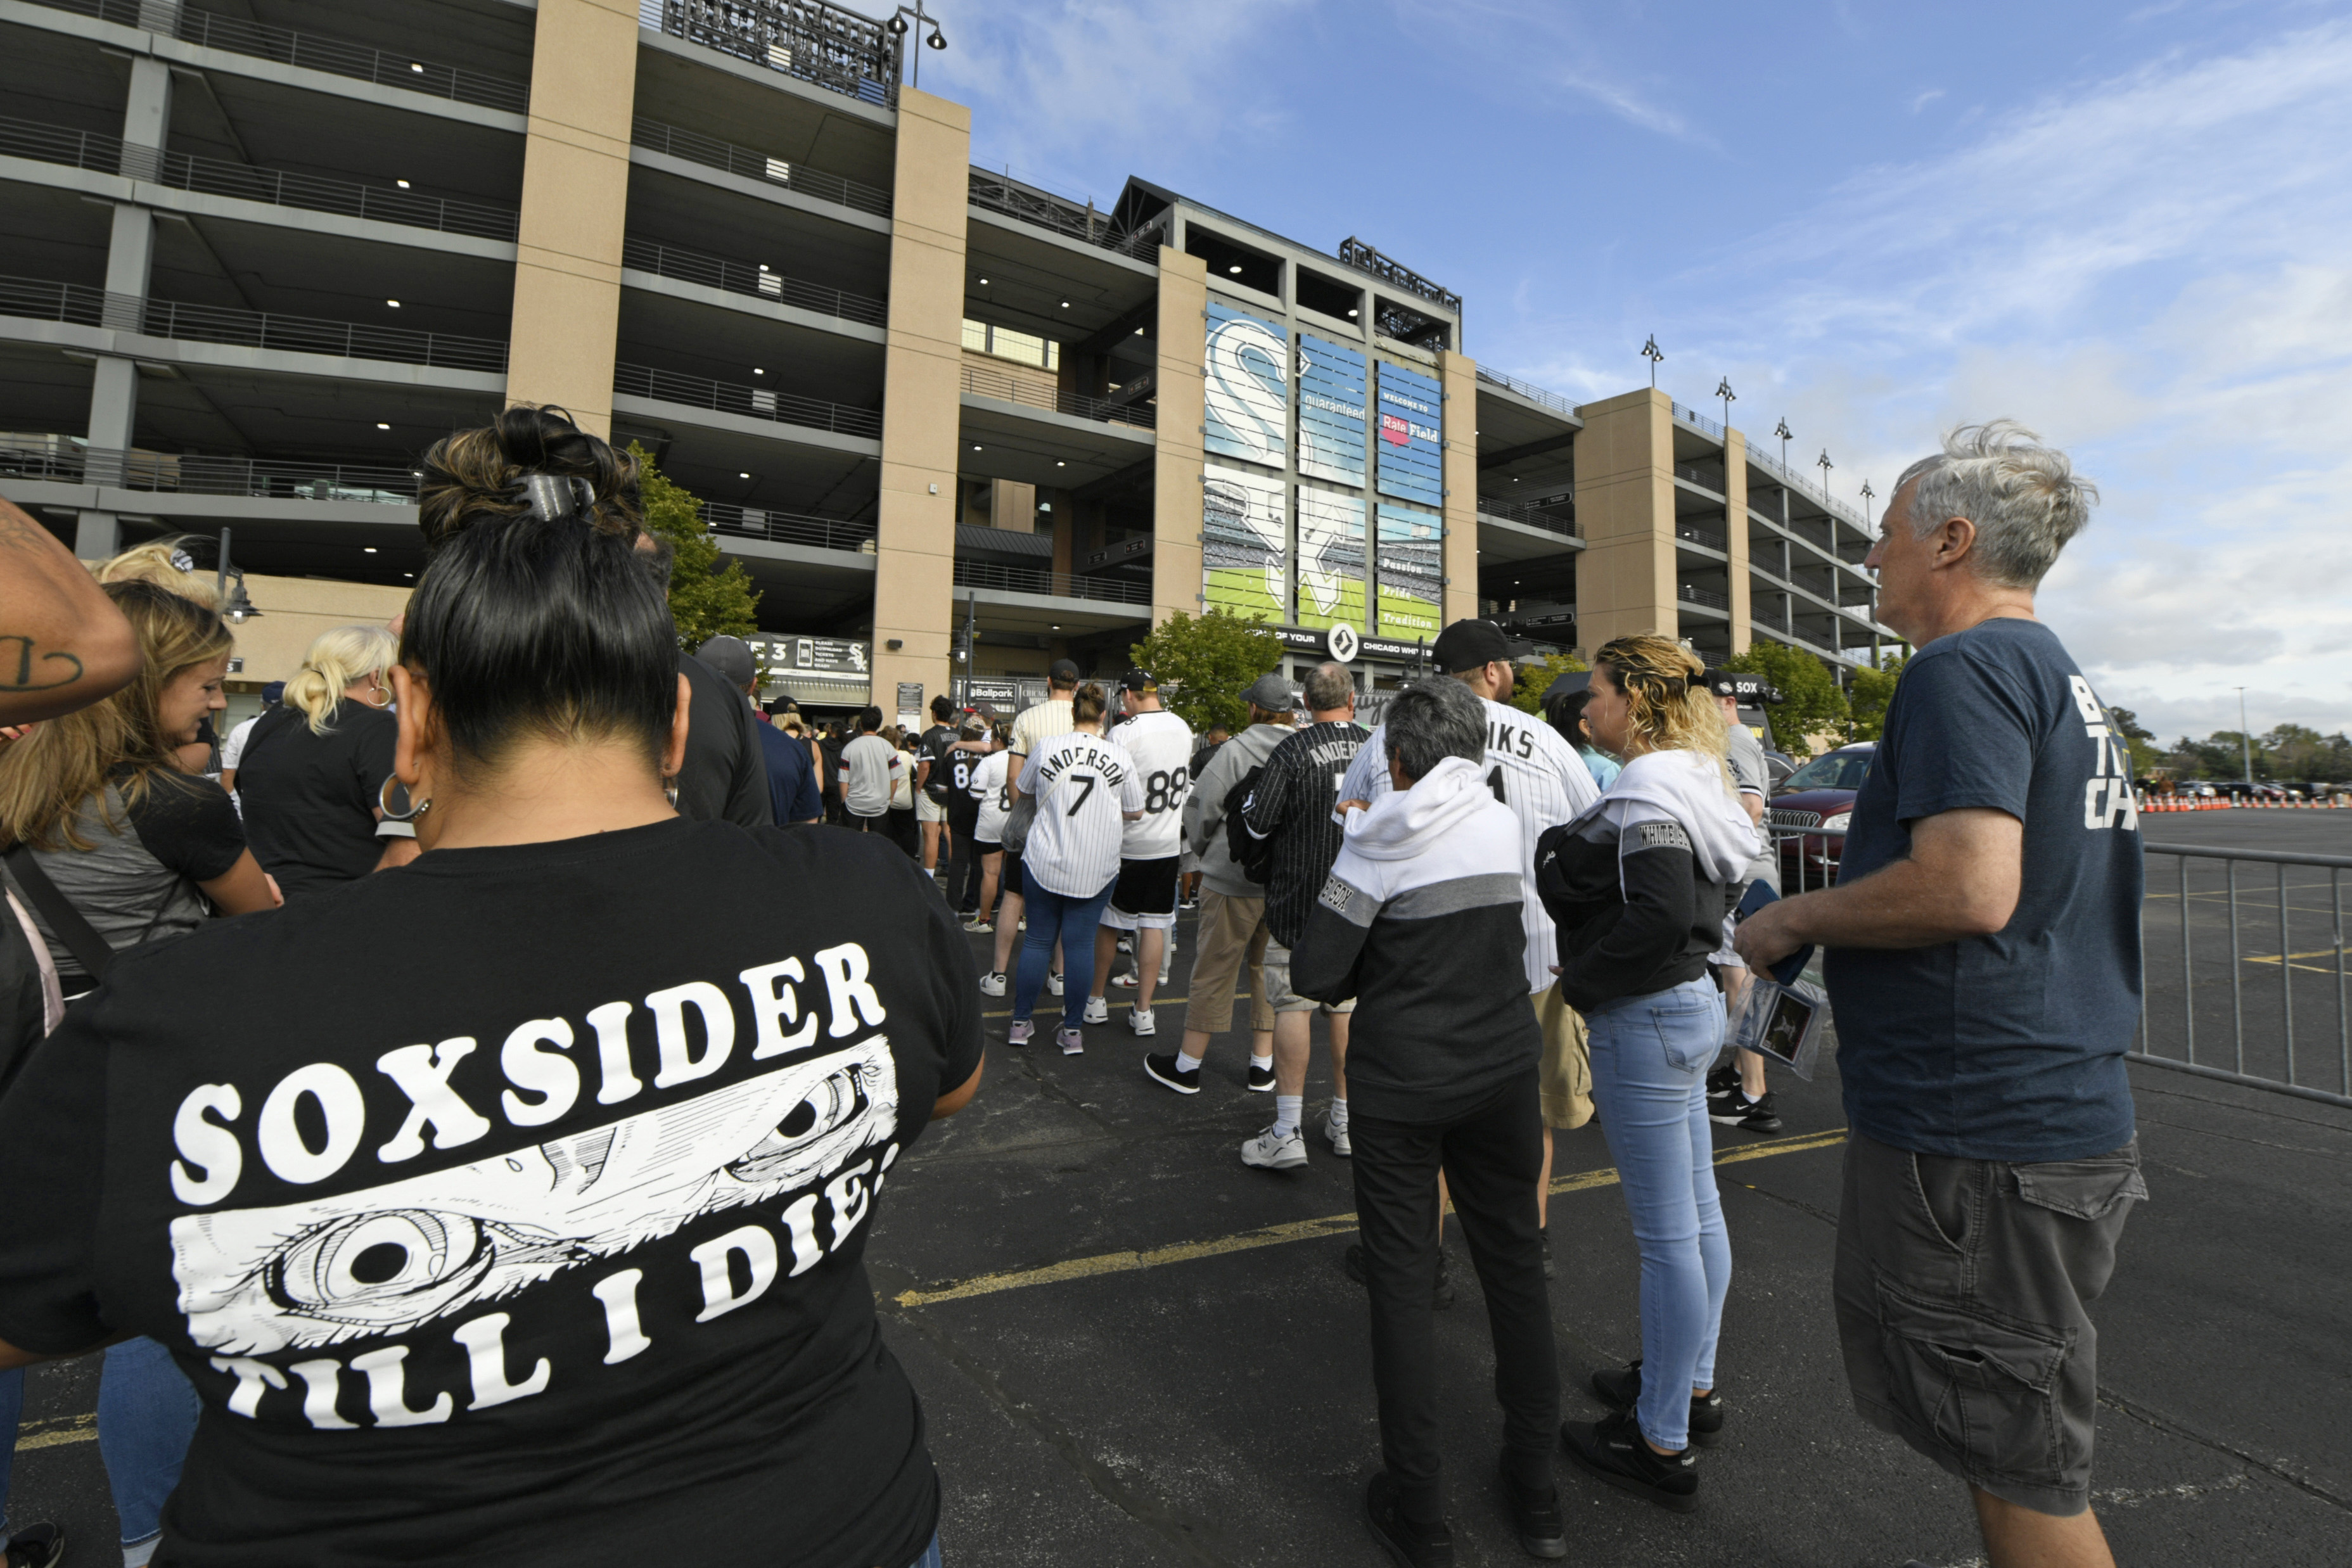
column 63, row 646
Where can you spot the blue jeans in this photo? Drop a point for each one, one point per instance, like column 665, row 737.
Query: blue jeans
column 12, row 1411
column 1072, row 921
column 931, row 1557
column 1650, row 1057
column 146, row 1415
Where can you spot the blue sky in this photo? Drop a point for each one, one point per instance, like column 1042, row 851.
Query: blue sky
column 2129, row 226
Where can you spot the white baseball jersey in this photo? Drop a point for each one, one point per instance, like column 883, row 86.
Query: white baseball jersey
column 1161, row 745
column 988, row 787
column 1533, row 772
column 1084, row 784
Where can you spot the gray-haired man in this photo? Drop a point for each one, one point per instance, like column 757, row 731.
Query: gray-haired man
column 1984, row 962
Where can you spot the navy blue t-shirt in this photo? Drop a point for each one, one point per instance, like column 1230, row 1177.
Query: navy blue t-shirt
column 2008, row 1047
column 791, row 777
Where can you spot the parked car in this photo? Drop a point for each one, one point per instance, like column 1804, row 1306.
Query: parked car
column 1808, row 818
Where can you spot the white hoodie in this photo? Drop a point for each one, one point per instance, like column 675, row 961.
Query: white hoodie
column 1689, row 789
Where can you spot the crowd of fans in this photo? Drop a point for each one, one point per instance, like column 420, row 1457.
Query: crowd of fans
column 623, row 1301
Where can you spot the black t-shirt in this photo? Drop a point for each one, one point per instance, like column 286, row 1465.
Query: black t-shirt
column 2007, row 1046
column 542, row 1246
column 936, row 748
column 310, row 799
column 725, row 778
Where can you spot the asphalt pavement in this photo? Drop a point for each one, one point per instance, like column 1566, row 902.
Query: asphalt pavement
column 1133, row 1350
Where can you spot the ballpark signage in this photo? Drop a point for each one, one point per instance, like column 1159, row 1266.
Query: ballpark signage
column 1330, row 558
column 1244, row 542
column 1330, row 412
column 1247, row 395
column 1408, row 570
column 1410, row 444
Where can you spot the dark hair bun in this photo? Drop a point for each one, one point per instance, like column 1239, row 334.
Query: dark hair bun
column 475, row 474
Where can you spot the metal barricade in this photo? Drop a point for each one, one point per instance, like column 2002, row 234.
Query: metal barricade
column 2218, row 995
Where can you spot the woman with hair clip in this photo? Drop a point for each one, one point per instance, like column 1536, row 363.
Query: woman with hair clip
column 490, row 472
column 110, row 844
column 542, row 1243
column 1639, row 883
column 314, row 773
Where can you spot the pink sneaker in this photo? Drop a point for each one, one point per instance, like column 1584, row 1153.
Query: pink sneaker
column 1021, row 1032
column 1072, row 1041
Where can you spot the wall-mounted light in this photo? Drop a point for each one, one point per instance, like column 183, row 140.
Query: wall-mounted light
column 895, row 643
column 382, row 425
column 367, row 550
column 394, row 303
column 402, row 183
column 742, row 475
column 1236, row 269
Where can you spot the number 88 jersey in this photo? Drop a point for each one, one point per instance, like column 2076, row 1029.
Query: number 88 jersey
column 1161, row 745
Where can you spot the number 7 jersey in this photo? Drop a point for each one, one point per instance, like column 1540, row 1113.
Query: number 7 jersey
column 1161, row 745
column 1533, row 772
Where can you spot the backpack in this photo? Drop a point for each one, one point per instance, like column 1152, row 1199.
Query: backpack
column 1253, row 856
column 30, row 1004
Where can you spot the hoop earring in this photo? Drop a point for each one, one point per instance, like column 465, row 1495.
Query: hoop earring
column 384, row 799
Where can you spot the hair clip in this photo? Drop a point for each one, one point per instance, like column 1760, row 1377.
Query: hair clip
column 553, row 497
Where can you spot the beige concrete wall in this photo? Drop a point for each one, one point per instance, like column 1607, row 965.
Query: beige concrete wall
column 1458, row 374
column 1013, row 381
column 1735, row 509
column 1012, row 506
column 575, row 199
column 295, row 610
column 1625, row 502
column 1183, row 342
column 914, row 566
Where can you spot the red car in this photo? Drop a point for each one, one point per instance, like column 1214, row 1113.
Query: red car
column 1808, row 818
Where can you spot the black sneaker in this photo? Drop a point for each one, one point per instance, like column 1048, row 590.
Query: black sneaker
column 1352, row 1264
column 1261, row 1079
column 1162, row 1069
column 1535, row 1516
column 1623, row 1391
column 1408, row 1544
column 1613, row 1451
column 1545, row 1234
column 1723, row 1080
column 43, row 1545
column 1747, row 1116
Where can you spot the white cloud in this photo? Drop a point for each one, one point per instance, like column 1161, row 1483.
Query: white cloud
column 1924, row 98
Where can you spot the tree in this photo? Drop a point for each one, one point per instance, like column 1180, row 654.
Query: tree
column 1526, row 696
column 1869, row 697
column 1205, row 663
column 705, row 599
column 1811, row 705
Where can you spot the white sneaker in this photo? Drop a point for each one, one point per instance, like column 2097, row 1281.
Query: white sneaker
column 1139, row 1020
column 1274, row 1150
column 1127, row 943
column 1125, row 980
column 1336, row 1136
column 992, row 985
column 1054, row 982
column 1098, row 1010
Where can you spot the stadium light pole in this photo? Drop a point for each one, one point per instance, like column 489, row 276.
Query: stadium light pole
column 2245, row 742
column 1651, row 352
column 1723, row 389
column 899, row 27
column 1824, row 464
column 1786, row 435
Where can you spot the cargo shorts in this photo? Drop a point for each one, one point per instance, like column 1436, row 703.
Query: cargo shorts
column 1961, row 1289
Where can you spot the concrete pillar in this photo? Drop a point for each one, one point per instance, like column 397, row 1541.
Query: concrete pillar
column 1625, row 501
column 130, row 262
column 1735, row 531
column 96, row 535
column 914, row 566
column 575, row 201
column 1457, row 373
column 1183, row 344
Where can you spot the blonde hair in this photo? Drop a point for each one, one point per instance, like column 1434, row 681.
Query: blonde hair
column 791, row 724
column 152, row 563
column 1667, row 704
column 338, row 659
column 46, row 777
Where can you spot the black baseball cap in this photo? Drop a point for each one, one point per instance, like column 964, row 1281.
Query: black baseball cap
column 1568, row 686
column 731, row 658
column 1062, row 672
column 1467, row 645
column 1740, row 685
column 1137, row 680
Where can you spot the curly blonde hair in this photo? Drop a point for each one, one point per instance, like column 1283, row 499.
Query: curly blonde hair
column 1666, row 703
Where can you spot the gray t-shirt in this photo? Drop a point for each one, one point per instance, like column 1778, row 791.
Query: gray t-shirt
column 137, row 881
column 868, row 764
column 1748, row 770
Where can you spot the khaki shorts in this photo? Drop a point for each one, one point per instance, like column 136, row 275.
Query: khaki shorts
column 1566, row 1080
column 1961, row 1292
column 1231, row 936
column 928, row 810
column 1285, row 999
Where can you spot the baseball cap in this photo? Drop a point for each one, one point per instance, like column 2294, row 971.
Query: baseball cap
column 274, row 692
column 1137, row 680
column 1566, row 685
column 1062, row 672
column 1741, row 685
column 1270, row 691
column 731, row 658
column 1467, row 645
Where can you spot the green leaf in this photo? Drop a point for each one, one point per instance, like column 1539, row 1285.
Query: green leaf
column 1205, row 663
column 1811, row 709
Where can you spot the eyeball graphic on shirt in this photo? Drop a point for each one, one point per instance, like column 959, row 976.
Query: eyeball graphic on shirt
column 391, row 1258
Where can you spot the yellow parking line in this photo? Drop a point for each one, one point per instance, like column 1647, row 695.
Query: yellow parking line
column 60, row 1429
column 1275, row 1234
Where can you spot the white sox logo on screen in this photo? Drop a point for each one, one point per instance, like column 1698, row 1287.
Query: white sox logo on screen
column 801, row 1147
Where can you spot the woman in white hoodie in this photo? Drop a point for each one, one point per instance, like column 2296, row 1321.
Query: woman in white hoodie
column 1639, row 883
